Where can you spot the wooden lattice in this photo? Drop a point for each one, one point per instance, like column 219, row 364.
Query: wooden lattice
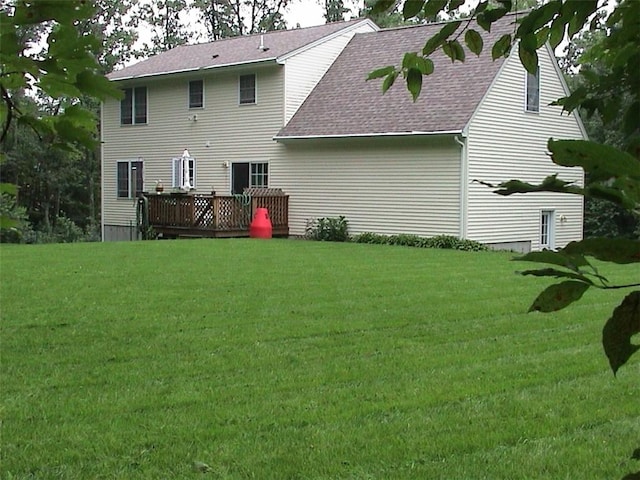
column 213, row 215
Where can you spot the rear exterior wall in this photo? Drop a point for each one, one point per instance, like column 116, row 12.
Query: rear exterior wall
column 387, row 186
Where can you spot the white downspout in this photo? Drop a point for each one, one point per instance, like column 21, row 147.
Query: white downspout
column 464, row 184
column 102, row 228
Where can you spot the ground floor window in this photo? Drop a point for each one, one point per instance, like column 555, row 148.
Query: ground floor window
column 249, row 174
column 130, row 178
column 546, row 229
column 183, row 172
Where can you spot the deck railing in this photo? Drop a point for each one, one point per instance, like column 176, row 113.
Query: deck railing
column 214, row 215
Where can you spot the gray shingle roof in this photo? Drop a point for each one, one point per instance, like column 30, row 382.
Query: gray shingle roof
column 230, row 51
column 344, row 104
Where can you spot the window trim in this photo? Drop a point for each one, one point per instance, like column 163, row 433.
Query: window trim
column 255, row 89
column 140, row 179
column 195, row 107
column 132, row 106
column 528, row 107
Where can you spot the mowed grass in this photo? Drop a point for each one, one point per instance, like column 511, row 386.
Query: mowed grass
column 287, row 359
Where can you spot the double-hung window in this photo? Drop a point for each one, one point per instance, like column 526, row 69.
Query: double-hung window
column 130, row 178
column 196, row 94
column 183, row 172
column 247, row 89
column 533, row 91
column 133, row 107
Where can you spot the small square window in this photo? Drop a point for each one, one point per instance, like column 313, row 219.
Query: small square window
column 196, row 94
column 247, row 89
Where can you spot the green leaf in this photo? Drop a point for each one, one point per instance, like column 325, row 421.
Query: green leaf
column 409, row 60
column 474, row 41
column 602, row 162
column 570, row 260
column 414, row 82
column 556, row 34
column 558, row 296
column 425, row 65
column 528, row 53
column 501, row 47
column 433, row 7
column 619, row 329
column 553, row 272
column 411, row 8
column 439, row 38
column 454, row 4
column 389, row 81
column 97, row 86
column 454, row 50
column 381, row 72
column 542, row 36
column 549, row 184
column 538, row 18
column 616, row 250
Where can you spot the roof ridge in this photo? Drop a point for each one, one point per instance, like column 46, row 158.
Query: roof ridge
column 443, row 22
column 270, row 32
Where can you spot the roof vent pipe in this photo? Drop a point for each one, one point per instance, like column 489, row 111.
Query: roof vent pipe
column 261, row 46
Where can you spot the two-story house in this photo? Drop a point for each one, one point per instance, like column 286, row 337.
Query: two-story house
column 293, row 110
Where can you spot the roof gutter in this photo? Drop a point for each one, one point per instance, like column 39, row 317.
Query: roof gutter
column 187, row 70
column 285, row 138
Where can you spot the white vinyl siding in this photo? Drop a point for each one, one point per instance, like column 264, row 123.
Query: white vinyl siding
column 214, row 139
column 388, row 186
column 504, row 143
column 305, row 69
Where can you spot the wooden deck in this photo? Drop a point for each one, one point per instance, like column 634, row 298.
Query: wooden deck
column 186, row 215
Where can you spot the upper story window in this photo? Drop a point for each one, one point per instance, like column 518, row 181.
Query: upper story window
column 133, row 107
column 196, row 94
column 247, row 87
column 130, row 178
column 533, row 92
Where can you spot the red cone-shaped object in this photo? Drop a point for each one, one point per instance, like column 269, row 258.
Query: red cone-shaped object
column 261, row 225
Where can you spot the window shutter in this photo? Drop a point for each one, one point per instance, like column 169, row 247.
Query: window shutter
column 176, row 173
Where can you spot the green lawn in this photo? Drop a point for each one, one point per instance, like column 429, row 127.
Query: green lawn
column 287, row 359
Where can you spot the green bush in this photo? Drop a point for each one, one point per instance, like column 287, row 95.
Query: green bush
column 14, row 221
column 328, row 229
column 409, row 240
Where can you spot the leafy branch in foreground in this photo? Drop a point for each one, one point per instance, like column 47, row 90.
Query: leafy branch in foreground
column 66, row 70
column 612, row 175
